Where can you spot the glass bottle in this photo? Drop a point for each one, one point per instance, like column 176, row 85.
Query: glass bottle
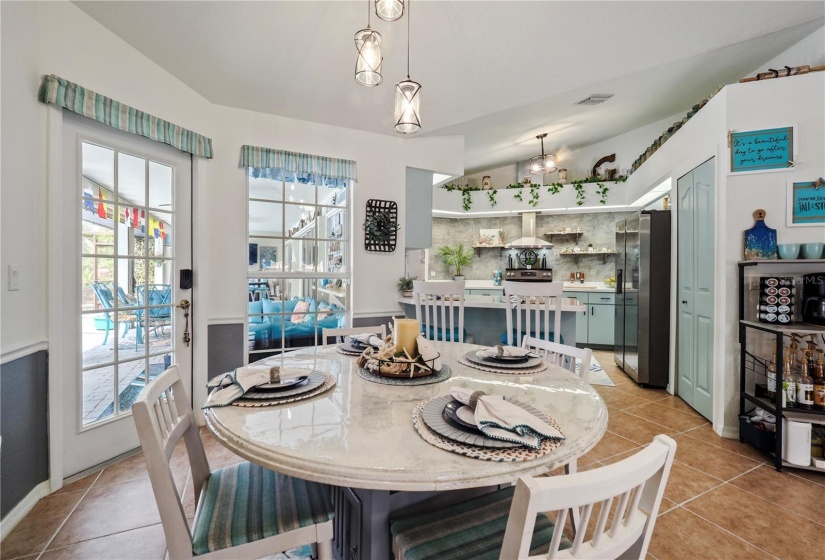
column 804, row 386
column 772, row 376
column 788, row 384
column 819, row 384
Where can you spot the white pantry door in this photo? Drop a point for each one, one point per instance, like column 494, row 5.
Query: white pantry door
column 125, row 237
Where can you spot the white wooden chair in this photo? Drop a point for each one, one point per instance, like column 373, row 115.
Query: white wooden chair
column 561, row 355
column 275, row 521
column 379, row 330
column 439, row 308
column 533, row 304
column 632, row 489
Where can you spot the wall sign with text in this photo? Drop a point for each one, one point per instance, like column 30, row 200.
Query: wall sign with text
column 762, row 150
column 806, row 203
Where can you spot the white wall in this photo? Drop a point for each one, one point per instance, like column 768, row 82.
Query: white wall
column 58, row 38
column 810, row 51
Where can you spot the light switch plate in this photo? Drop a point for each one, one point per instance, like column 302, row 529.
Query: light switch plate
column 14, row 278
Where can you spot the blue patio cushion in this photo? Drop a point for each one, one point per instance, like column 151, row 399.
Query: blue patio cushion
column 255, row 310
column 244, row 503
column 471, row 530
column 517, row 342
column 437, row 333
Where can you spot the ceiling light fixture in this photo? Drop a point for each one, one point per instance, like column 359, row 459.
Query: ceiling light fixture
column 407, row 100
column 368, row 63
column 543, row 164
column 389, row 10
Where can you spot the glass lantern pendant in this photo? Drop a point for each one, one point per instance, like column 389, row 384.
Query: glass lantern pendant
column 368, row 63
column 389, row 10
column 543, row 164
column 407, row 107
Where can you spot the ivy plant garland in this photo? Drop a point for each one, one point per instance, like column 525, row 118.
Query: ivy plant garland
column 602, row 190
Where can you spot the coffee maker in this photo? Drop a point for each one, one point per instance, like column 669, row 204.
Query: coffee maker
column 813, row 298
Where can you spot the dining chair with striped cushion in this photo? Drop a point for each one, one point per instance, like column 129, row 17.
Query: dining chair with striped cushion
column 561, row 355
column 618, row 504
column 242, row 511
column 439, row 308
column 529, row 314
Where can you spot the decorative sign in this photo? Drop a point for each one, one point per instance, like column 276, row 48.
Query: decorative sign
column 760, row 150
column 806, row 203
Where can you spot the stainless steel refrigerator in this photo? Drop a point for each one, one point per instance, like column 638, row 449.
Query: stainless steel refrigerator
column 642, row 330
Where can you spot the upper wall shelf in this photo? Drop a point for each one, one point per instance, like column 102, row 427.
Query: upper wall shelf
column 576, row 256
column 577, row 232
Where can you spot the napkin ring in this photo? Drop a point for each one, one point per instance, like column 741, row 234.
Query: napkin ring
column 474, row 398
column 274, row 374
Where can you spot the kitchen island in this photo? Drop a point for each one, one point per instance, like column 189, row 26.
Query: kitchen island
column 485, row 321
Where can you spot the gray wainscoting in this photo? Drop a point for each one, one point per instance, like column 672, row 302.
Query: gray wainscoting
column 226, row 344
column 599, row 229
column 24, row 425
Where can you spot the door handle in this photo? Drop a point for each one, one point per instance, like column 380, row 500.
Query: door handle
column 185, row 305
column 684, row 302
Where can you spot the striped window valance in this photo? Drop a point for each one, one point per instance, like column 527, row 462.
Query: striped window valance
column 75, row 98
column 297, row 167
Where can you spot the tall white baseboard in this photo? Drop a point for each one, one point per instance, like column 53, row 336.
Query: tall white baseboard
column 20, row 511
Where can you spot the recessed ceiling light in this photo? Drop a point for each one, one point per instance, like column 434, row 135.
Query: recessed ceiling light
column 595, row 99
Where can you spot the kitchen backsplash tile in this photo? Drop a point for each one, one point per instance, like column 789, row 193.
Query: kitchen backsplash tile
column 598, row 229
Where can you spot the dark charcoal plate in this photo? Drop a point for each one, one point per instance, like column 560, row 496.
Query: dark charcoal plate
column 283, row 385
column 507, row 359
column 451, row 414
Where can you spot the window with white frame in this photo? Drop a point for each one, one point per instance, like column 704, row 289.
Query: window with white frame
column 298, row 271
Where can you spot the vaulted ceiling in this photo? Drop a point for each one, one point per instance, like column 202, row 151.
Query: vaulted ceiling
column 496, row 72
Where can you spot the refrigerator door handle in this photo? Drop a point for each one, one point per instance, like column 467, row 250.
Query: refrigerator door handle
column 619, row 282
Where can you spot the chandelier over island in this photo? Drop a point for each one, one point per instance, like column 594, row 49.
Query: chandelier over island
column 368, row 63
column 542, row 164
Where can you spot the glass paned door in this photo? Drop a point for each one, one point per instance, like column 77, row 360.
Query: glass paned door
column 130, row 232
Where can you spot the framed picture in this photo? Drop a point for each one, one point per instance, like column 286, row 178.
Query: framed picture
column 268, row 257
column 759, row 151
column 806, row 203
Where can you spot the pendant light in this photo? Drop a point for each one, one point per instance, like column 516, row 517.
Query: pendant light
column 389, row 10
column 368, row 63
column 543, row 164
column 407, row 99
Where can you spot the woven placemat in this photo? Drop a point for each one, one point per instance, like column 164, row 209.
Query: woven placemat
column 513, row 455
column 510, row 371
column 442, row 375
column 329, row 382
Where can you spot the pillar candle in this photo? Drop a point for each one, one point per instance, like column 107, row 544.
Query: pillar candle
column 406, row 335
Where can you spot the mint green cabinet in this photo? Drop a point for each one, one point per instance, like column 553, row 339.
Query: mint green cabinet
column 595, row 326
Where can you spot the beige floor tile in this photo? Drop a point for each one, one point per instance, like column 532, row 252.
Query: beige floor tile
column 145, row 543
column 686, row 482
column 666, row 506
column 677, row 403
column 761, row 523
column 783, row 489
column 610, row 445
column 810, row 476
column 635, row 428
column 33, row 533
column 134, row 468
column 630, row 387
column 217, row 454
column 617, row 400
column 712, row 460
column 83, row 484
column 667, row 416
column 110, row 509
column 706, row 434
column 681, row 535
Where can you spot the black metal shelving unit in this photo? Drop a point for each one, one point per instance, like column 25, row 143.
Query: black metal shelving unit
column 779, row 331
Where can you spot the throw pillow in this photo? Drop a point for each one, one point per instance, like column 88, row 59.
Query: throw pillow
column 300, row 308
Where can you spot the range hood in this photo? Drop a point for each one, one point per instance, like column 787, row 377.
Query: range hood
column 528, row 239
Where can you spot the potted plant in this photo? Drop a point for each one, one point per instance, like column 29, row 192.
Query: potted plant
column 456, row 256
column 405, row 285
column 590, row 248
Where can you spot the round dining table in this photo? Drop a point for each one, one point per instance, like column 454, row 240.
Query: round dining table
column 359, row 437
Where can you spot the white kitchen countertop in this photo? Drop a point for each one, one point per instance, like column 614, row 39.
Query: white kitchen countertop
column 497, row 302
column 568, row 286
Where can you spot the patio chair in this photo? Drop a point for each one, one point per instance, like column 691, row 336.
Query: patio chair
column 154, row 295
column 482, row 527
column 439, row 307
column 105, row 298
column 380, row 330
column 533, row 301
column 241, row 511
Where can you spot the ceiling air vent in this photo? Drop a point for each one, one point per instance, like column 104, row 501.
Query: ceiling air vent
column 595, row 99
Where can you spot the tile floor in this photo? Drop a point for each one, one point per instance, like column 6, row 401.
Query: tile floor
column 723, row 500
